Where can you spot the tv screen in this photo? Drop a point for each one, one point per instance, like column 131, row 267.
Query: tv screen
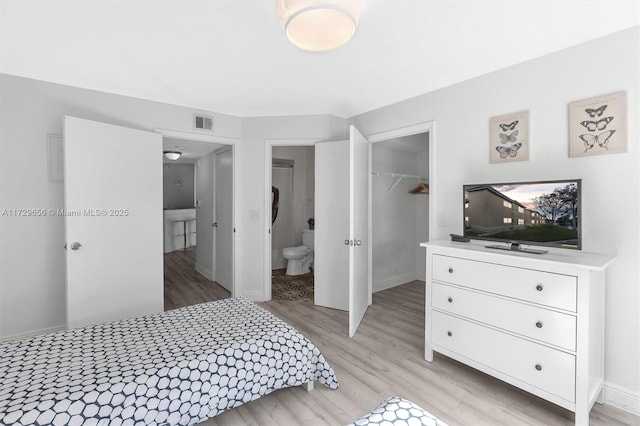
column 543, row 213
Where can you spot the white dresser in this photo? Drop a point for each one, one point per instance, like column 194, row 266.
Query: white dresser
column 535, row 321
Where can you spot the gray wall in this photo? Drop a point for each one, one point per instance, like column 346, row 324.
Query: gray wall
column 32, row 259
column 545, row 86
column 178, row 186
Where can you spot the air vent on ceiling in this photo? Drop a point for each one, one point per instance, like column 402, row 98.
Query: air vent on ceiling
column 202, row 122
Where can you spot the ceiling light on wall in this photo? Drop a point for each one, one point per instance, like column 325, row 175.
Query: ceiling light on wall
column 172, row 155
column 319, row 25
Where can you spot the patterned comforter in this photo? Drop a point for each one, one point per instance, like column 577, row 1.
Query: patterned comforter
column 176, row 367
column 398, row 411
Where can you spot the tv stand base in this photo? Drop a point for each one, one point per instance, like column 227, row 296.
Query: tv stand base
column 516, row 247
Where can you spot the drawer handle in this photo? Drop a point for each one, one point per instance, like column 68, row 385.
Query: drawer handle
column 539, row 324
column 451, row 270
column 538, row 367
column 450, row 300
column 539, row 287
column 449, row 333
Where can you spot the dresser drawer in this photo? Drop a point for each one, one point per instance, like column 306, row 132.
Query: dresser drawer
column 542, row 367
column 545, row 288
column 531, row 321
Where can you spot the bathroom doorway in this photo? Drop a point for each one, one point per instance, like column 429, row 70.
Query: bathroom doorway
column 282, row 214
column 290, row 227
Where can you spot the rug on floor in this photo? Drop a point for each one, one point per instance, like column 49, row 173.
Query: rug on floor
column 294, row 288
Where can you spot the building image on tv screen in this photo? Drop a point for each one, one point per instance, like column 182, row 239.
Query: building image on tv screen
column 545, row 213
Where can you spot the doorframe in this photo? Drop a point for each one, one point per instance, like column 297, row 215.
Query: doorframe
column 398, row 132
column 220, row 140
column 268, row 158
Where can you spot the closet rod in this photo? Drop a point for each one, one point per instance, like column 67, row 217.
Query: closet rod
column 399, row 175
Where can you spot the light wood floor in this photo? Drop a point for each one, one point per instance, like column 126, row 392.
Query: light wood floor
column 183, row 286
column 386, row 359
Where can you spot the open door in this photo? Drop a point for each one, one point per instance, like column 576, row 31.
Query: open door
column 113, row 212
column 341, row 217
column 223, row 222
column 359, row 228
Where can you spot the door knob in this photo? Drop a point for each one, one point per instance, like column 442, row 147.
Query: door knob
column 75, row 246
column 358, row 242
column 214, row 224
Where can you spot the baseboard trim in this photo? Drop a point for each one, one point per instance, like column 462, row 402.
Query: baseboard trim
column 279, row 265
column 257, row 296
column 33, row 333
column 622, row 398
column 204, row 272
column 393, row 282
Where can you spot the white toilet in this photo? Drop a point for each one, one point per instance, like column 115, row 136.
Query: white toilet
column 299, row 259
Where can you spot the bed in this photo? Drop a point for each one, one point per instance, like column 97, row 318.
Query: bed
column 176, row 367
column 397, row 411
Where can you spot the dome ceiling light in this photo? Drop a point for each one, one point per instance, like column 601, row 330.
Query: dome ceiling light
column 319, row 25
column 172, row 155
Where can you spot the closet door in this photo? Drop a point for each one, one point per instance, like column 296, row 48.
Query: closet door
column 341, row 236
column 359, row 289
column 113, row 200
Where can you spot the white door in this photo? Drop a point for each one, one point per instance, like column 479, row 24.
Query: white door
column 113, row 203
column 359, row 289
column 341, row 217
column 330, row 254
column 224, row 218
column 205, row 232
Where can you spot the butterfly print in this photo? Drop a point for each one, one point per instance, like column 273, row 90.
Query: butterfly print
column 509, row 151
column 602, row 139
column 510, row 126
column 601, row 124
column 595, row 112
column 504, row 138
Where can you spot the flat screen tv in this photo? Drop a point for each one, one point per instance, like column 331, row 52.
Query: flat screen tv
column 545, row 213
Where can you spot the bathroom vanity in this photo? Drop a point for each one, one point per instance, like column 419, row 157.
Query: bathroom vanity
column 179, row 227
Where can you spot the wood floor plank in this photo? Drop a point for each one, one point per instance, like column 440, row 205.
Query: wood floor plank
column 386, row 358
column 183, row 286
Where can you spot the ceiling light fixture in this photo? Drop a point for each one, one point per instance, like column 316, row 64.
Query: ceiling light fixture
column 172, row 155
column 319, row 25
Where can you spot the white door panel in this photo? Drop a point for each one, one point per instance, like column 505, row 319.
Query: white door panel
column 341, row 216
column 113, row 194
column 359, row 225
column 331, row 255
column 224, row 219
column 205, row 248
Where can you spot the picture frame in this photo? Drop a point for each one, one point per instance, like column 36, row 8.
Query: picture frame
column 598, row 125
column 509, row 137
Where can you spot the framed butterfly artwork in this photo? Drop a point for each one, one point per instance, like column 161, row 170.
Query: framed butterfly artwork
column 509, row 137
column 598, row 125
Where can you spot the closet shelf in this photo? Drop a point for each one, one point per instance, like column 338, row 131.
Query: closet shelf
column 422, row 188
column 402, row 175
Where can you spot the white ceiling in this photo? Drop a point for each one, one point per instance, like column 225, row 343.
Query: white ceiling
column 231, row 56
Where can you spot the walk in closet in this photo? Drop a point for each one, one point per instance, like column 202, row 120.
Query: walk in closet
column 400, row 209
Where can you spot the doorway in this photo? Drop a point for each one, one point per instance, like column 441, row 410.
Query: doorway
column 198, row 233
column 400, row 210
column 401, row 186
column 294, row 161
column 292, row 219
